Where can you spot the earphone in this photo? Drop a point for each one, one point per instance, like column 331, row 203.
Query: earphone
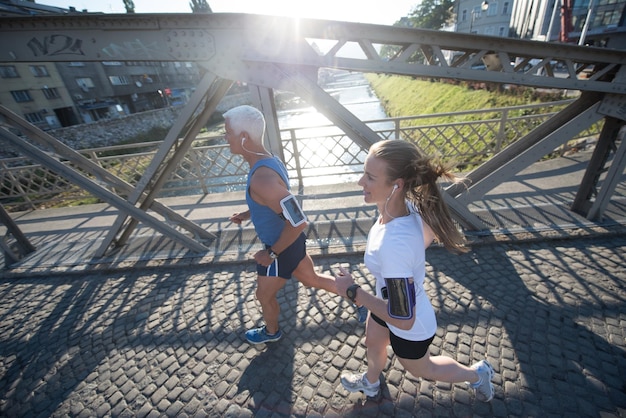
column 262, row 154
column 395, row 187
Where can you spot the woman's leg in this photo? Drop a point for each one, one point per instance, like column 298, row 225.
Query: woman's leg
column 376, row 341
column 440, row 368
column 446, row 369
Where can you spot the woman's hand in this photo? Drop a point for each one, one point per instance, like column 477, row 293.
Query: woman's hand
column 344, row 280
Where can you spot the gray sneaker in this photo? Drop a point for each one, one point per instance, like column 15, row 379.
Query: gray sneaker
column 484, row 387
column 359, row 383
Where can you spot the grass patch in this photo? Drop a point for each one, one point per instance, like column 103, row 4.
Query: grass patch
column 408, row 96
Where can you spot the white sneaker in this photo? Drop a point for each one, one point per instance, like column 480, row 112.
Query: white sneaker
column 484, row 387
column 359, row 383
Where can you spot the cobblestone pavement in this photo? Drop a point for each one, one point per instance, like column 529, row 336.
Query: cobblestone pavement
column 550, row 316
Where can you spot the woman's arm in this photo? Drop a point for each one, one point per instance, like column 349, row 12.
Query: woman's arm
column 377, row 306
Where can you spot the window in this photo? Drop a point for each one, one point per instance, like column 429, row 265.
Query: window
column 39, row 70
column 8, row 71
column 112, row 63
column 21, row 96
column 464, row 16
column 118, row 80
column 608, row 14
column 493, row 8
column 85, row 83
column 76, row 64
column 505, row 8
column 34, row 117
column 51, row 93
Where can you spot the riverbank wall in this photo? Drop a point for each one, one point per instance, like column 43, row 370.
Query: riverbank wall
column 110, row 132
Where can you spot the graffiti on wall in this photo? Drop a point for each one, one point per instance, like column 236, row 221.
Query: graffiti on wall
column 51, row 45
column 181, row 46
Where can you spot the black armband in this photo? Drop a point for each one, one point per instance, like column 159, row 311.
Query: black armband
column 401, row 302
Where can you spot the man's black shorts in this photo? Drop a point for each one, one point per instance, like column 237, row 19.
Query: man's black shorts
column 287, row 261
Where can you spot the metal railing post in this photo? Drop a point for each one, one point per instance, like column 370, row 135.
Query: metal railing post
column 296, row 158
column 501, row 131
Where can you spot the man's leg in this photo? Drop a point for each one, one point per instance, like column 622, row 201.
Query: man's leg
column 305, row 273
column 266, row 291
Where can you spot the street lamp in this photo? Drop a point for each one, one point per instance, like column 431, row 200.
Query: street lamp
column 483, row 7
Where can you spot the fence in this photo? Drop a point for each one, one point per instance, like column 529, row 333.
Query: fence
column 313, row 155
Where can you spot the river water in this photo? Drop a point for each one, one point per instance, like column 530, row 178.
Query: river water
column 326, row 158
column 353, row 91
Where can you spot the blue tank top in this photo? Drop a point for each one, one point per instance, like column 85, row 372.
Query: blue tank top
column 267, row 223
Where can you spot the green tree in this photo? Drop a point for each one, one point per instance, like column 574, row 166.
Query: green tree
column 130, row 6
column 431, row 14
column 200, row 6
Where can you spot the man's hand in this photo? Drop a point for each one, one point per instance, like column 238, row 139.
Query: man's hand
column 238, row 218
column 263, row 258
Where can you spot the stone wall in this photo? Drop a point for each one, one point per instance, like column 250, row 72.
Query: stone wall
column 114, row 131
column 109, row 132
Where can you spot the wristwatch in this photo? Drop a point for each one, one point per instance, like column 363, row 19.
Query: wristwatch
column 272, row 254
column 351, row 292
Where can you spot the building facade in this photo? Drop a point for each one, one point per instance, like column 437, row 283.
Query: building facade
column 585, row 22
column 54, row 95
column 37, row 92
column 484, row 17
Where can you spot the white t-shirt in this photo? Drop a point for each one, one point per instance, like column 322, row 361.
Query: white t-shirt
column 396, row 249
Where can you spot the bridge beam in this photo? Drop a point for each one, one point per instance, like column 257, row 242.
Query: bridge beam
column 589, row 201
column 542, row 140
column 223, row 41
column 283, row 53
column 102, row 176
column 97, row 190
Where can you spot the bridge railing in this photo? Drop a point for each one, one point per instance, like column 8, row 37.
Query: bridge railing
column 314, row 155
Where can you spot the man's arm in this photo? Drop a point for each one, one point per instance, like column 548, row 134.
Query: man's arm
column 239, row 217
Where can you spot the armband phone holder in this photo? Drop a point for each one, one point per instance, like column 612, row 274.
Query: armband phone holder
column 401, row 302
column 292, row 211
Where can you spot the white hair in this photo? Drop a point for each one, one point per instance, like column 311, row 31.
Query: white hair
column 246, row 119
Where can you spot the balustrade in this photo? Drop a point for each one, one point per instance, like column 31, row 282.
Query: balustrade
column 314, row 155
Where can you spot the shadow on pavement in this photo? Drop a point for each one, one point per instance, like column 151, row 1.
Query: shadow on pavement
column 550, row 316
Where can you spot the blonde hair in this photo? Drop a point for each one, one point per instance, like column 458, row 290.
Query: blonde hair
column 420, row 174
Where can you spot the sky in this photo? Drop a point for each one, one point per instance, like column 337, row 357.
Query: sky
column 364, row 11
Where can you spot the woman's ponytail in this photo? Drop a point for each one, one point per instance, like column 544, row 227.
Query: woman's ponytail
column 421, row 174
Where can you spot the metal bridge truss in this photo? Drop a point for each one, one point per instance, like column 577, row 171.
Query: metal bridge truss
column 276, row 53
